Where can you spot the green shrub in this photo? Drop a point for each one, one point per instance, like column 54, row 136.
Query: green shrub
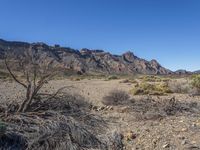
column 196, row 82
column 152, row 89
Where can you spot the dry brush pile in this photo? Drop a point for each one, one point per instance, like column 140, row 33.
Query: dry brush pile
column 63, row 122
column 149, row 107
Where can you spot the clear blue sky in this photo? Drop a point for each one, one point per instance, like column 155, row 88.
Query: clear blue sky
column 166, row 30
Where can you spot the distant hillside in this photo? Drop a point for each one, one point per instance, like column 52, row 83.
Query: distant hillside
column 85, row 60
column 198, row 71
column 182, row 72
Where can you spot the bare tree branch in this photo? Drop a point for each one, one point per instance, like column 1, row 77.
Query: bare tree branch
column 13, row 76
column 36, row 73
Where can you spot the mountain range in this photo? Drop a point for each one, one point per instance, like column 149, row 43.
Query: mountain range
column 86, row 60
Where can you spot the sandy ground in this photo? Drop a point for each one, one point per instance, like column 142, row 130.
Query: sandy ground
column 175, row 132
column 92, row 90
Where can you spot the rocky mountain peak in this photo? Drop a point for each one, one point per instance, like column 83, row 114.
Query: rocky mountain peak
column 129, row 56
column 86, row 60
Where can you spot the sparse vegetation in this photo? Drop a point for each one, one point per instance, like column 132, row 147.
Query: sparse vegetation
column 36, row 74
column 4, row 75
column 151, row 89
column 113, row 77
column 196, row 82
column 62, row 122
column 133, row 81
column 180, row 86
column 75, row 79
column 115, row 97
column 149, row 108
column 151, row 78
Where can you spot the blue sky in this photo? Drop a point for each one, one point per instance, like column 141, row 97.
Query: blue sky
column 166, row 30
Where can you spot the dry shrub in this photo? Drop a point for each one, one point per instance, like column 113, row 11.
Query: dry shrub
column 144, row 88
column 116, row 97
column 149, row 108
column 180, row 86
column 4, row 75
column 196, row 82
column 112, row 78
column 116, row 141
column 133, row 81
column 63, row 122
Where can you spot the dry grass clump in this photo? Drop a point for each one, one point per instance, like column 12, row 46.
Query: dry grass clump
column 149, row 108
column 132, row 81
column 4, row 75
column 63, row 122
column 116, row 97
column 196, row 82
column 113, row 77
column 144, row 88
column 75, row 79
column 180, row 86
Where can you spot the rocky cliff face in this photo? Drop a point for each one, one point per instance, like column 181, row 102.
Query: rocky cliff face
column 85, row 60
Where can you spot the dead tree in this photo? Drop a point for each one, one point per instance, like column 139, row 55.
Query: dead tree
column 36, row 72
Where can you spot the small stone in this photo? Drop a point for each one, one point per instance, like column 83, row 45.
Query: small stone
column 166, row 145
column 193, row 142
column 183, row 142
column 184, row 129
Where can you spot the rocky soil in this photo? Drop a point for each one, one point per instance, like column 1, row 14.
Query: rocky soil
column 176, row 132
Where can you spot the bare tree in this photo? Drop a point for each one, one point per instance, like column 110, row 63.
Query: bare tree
column 37, row 72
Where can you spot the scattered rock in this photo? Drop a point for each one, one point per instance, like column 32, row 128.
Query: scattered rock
column 184, row 129
column 166, row 145
column 183, row 142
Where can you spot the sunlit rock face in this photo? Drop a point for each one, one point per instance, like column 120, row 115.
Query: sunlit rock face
column 85, row 60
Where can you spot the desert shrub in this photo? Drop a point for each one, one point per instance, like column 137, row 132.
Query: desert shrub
column 133, row 81
column 196, row 82
column 151, row 89
column 115, row 97
column 112, row 77
column 62, row 122
column 75, row 79
column 180, row 86
column 149, row 108
column 4, row 75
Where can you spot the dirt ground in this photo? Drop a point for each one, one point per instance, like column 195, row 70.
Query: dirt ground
column 178, row 132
